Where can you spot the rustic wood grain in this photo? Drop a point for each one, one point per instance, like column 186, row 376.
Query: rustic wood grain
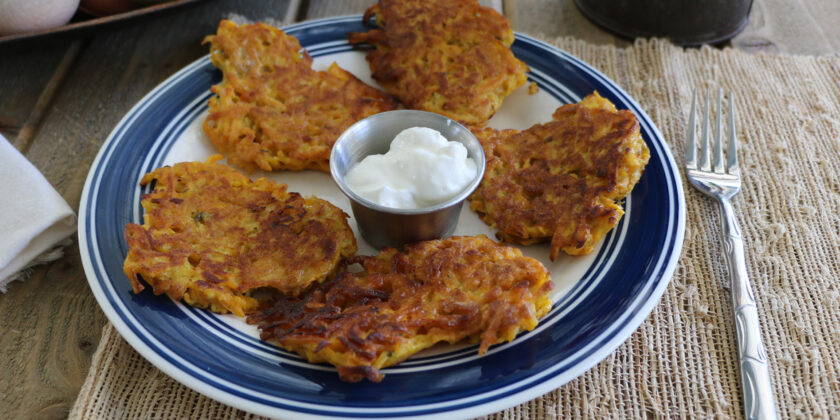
column 316, row 9
column 51, row 322
column 51, row 326
column 792, row 27
column 27, row 130
column 23, row 75
column 553, row 18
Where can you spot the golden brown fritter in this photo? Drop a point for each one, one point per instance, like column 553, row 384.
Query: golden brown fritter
column 561, row 180
column 273, row 112
column 452, row 57
column 210, row 235
column 400, row 303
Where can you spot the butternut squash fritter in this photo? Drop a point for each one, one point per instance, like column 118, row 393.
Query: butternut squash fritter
column 400, row 303
column 451, row 57
column 210, row 235
column 273, row 112
column 561, row 180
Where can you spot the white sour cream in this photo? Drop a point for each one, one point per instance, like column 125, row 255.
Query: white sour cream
column 421, row 169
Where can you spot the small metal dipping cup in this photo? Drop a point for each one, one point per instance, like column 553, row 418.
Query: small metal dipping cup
column 386, row 226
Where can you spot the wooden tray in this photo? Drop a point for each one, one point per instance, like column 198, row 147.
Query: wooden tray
column 83, row 24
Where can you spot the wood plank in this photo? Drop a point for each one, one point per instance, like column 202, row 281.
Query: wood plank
column 51, row 323
column 316, row 9
column 510, row 11
column 51, row 327
column 293, row 10
column 826, row 14
column 792, row 27
column 23, row 75
column 556, row 18
column 33, row 121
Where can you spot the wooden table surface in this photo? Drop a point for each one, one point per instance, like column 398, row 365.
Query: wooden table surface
column 60, row 100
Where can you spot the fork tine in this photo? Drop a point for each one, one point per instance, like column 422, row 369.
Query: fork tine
column 732, row 151
column 704, row 142
column 690, row 147
column 717, row 162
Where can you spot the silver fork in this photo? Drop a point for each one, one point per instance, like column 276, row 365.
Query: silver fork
column 722, row 183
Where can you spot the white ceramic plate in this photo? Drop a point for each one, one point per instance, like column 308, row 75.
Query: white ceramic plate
column 599, row 299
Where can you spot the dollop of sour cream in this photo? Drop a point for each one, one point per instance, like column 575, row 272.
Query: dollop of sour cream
column 421, row 169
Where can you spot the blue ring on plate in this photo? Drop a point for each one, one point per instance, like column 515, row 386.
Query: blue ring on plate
column 545, row 360
column 160, row 149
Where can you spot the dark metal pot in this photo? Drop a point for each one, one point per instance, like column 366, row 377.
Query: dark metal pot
column 684, row 22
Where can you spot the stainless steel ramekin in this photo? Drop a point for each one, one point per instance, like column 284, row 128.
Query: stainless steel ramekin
column 384, row 226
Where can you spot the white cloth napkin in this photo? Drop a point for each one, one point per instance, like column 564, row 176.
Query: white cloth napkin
column 35, row 221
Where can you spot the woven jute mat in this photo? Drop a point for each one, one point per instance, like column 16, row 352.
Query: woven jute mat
column 682, row 361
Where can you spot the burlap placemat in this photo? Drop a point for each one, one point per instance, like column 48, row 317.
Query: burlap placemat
column 682, row 360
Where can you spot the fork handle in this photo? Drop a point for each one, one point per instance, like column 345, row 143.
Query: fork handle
column 755, row 373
